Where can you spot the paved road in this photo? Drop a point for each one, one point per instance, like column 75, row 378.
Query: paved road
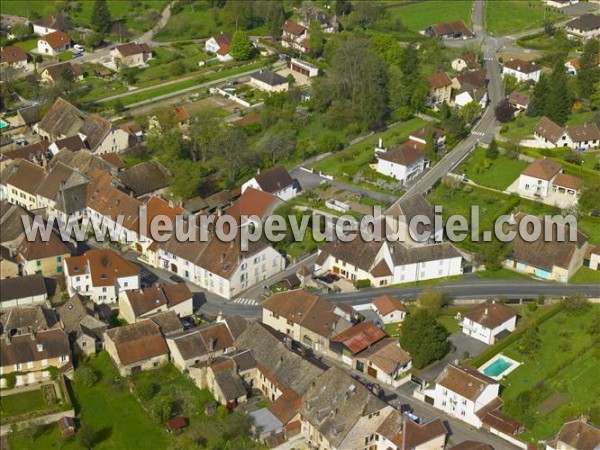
column 485, row 129
column 474, row 289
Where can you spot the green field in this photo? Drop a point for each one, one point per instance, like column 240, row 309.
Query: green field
column 21, row 403
column 419, row 15
column 497, row 174
column 137, row 16
column 512, row 16
column 568, row 369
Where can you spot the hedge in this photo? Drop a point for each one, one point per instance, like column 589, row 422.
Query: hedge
column 514, row 336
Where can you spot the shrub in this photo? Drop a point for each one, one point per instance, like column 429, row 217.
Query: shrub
column 86, row 376
column 532, row 306
column 146, row 390
column 362, row 284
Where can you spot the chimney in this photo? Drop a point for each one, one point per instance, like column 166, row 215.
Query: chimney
column 7, row 339
column 40, row 347
column 486, row 310
column 32, row 336
column 220, row 317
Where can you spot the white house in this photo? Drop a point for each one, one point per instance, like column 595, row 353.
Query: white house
column 390, row 309
column 402, row 162
column 54, row 43
column 276, row 181
column 548, row 134
column 545, row 176
column 489, row 322
column 101, row 275
column 585, row 27
column 220, row 45
column 294, row 36
column 50, row 24
column 594, row 258
column 536, row 179
column 462, row 392
column 466, row 96
column 522, row 70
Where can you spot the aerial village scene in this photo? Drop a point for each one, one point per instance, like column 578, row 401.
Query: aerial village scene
column 300, row 224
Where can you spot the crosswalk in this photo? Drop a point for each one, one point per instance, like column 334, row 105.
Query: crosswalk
column 478, row 133
column 245, row 301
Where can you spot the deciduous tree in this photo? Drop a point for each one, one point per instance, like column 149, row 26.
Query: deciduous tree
column 241, row 47
column 424, row 338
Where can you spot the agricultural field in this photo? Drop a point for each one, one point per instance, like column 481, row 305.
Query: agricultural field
column 504, row 17
column 419, row 15
column 560, row 378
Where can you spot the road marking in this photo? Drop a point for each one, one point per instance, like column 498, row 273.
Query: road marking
column 245, row 301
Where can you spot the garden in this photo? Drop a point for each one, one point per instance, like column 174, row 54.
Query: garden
column 116, row 412
column 557, row 380
column 497, row 173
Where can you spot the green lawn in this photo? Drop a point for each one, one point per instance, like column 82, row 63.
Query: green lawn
column 586, row 275
column 21, row 403
column 419, row 15
column 520, row 128
column 502, row 273
column 357, row 157
column 512, row 16
column 450, row 322
column 193, row 22
column 497, row 174
column 568, row 370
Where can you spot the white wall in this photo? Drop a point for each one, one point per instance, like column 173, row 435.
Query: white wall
column 520, row 76
column 531, row 186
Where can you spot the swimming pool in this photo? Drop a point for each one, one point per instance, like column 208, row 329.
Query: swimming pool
column 3, row 124
column 499, row 366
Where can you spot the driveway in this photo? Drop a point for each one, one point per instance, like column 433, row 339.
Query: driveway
column 461, row 343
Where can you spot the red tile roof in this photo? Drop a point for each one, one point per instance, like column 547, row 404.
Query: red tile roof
column 387, row 304
column 12, row 54
column 104, row 266
column 359, row 337
column 56, row 39
column 567, row 181
column 439, row 80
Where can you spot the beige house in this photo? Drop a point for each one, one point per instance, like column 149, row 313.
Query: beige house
column 138, row 304
column 340, row 413
column 305, row 318
column 45, row 258
column 13, row 57
column 268, row 81
column 137, row 347
column 81, row 322
column 9, row 267
column 32, row 356
column 547, row 257
column 53, row 74
column 131, row 55
column 390, row 309
column 440, row 88
column 576, row 435
column 399, row 433
column 64, row 120
column 23, row 291
column 20, row 181
column 205, row 343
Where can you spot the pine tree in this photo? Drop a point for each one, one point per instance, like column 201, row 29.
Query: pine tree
column 101, row 19
column 537, row 105
column 241, row 47
column 558, row 103
column 589, row 72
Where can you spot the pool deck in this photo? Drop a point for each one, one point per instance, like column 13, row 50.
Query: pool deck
column 514, row 364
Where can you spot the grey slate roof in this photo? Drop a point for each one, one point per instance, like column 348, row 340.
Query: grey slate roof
column 288, row 368
column 145, row 177
column 21, row 287
column 269, row 77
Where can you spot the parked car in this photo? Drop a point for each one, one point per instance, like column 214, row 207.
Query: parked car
column 176, row 279
column 78, row 48
column 326, row 278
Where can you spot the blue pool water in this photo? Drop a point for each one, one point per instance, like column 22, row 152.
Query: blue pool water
column 497, row 367
column 3, row 124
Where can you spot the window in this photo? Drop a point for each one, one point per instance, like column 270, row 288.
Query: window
column 462, row 413
column 103, row 289
column 59, row 269
column 59, row 258
column 464, row 402
column 38, row 263
column 64, row 358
